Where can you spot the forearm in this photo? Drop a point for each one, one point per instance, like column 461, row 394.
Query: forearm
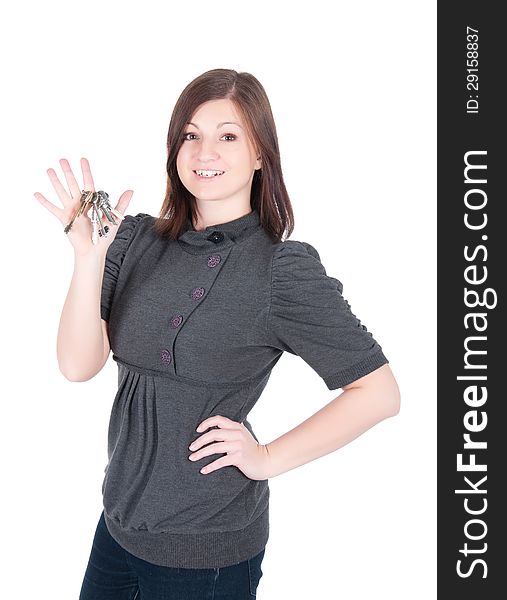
column 346, row 417
column 80, row 343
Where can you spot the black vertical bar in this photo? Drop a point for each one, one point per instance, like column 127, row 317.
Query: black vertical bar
column 472, row 271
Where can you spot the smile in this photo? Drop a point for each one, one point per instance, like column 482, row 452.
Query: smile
column 208, row 173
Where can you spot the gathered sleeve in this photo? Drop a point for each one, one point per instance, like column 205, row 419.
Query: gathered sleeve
column 114, row 259
column 310, row 318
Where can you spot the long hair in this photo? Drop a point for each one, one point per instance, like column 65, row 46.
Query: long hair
column 268, row 193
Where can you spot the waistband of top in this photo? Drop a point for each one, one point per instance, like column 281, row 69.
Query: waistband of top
column 195, row 550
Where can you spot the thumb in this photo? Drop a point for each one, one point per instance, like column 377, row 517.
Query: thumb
column 124, row 201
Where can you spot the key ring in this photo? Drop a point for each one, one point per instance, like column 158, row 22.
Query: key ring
column 99, row 201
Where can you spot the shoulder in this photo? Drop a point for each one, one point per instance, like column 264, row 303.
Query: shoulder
column 293, row 258
column 130, row 224
column 127, row 230
column 294, row 249
column 299, row 262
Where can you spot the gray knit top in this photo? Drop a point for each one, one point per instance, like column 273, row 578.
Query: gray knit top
column 196, row 325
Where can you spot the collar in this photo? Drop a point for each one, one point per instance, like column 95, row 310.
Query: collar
column 219, row 236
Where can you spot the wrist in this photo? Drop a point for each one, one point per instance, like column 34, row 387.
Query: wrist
column 270, row 466
column 89, row 260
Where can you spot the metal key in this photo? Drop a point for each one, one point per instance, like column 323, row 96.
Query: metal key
column 109, row 211
column 98, row 219
column 74, row 217
column 95, row 227
column 85, row 199
column 98, row 201
column 103, row 206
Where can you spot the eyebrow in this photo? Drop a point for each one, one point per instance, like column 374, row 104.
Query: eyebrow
column 220, row 124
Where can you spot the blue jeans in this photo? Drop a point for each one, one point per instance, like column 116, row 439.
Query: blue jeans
column 115, row 574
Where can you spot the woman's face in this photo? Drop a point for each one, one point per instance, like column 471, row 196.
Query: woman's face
column 216, row 139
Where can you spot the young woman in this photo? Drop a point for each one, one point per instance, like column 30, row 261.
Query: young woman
column 198, row 305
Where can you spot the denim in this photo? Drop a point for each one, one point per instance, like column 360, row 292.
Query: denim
column 115, row 574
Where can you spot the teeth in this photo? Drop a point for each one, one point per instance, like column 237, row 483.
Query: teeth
column 204, row 173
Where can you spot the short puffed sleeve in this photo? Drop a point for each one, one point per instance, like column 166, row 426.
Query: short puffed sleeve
column 114, row 259
column 310, row 318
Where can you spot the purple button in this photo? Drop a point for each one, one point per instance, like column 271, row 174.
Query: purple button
column 214, row 260
column 176, row 320
column 165, row 356
column 197, row 293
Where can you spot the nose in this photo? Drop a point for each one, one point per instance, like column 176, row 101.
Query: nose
column 206, row 150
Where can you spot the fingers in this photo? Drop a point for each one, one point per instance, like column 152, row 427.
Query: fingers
column 75, row 191
column 59, row 189
column 87, row 176
column 74, row 188
column 124, row 201
column 46, row 203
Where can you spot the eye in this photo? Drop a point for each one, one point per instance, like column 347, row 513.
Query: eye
column 229, row 135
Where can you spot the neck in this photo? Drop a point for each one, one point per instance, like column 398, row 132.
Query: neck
column 215, row 216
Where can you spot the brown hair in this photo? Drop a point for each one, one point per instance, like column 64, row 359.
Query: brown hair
column 268, row 194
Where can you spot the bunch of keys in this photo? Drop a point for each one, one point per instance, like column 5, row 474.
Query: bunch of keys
column 99, row 201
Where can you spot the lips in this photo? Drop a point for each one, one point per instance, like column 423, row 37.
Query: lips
column 218, row 174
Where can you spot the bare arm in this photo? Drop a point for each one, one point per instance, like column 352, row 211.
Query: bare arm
column 361, row 405
column 83, row 340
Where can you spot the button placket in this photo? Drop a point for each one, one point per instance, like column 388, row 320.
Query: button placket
column 190, row 300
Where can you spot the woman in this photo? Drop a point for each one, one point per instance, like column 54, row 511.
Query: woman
column 197, row 305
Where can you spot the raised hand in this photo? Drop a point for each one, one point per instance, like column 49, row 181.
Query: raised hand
column 80, row 234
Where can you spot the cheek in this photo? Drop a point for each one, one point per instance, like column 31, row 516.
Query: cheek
column 184, row 153
column 239, row 160
column 180, row 158
column 181, row 163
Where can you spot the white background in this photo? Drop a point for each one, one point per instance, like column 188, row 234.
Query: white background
column 353, row 91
